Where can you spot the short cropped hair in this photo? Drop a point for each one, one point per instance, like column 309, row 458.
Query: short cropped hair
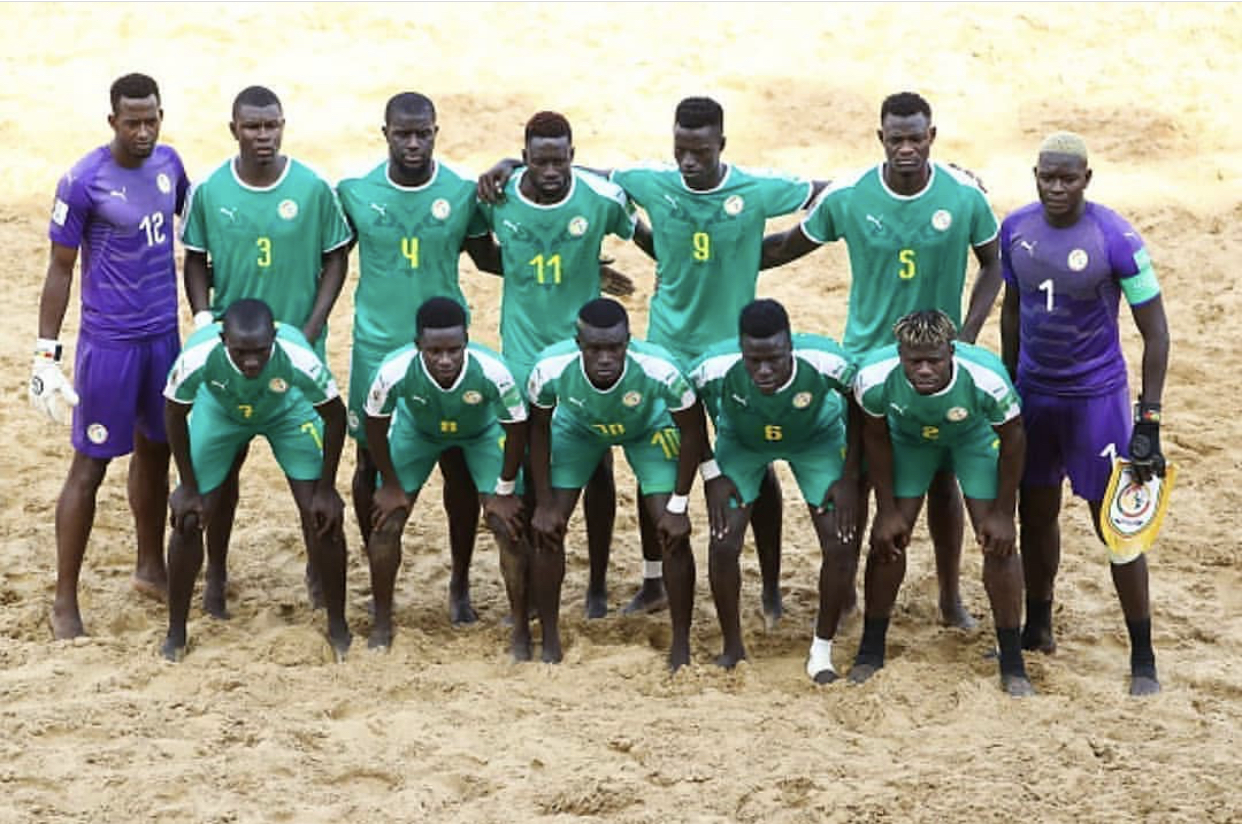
column 763, row 318
column 603, row 313
column 548, row 124
column 248, row 315
column 134, row 86
column 697, row 112
column 1064, row 143
column 929, row 327
column 409, row 103
column 904, row 104
column 439, row 313
column 258, row 96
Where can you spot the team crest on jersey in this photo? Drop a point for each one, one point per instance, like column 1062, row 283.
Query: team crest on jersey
column 942, row 220
column 632, row 399
column 578, row 226
column 288, row 209
column 278, row 385
column 163, row 183
column 802, row 400
column 957, row 413
column 734, row 205
column 441, row 209
column 97, row 433
column 1078, row 260
column 472, row 397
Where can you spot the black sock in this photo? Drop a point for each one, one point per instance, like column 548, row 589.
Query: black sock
column 871, row 648
column 1142, row 657
column 1010, row 641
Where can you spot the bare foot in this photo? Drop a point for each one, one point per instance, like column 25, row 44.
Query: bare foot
column 173, row 650
column 340, row 638
column 860, row 672
column 66, row 621
column 380, row 638
column 596, row 604
column 678, row 656
column 153, row 587
column 520, row 646
column 461, row 611
column 1039, row 639
column 1144, row 685
column 551, row 649
column 1018, row 686
column 773, row 608
column 955, row 615
column 730, row 658
column 651, row 597
column 214, row 598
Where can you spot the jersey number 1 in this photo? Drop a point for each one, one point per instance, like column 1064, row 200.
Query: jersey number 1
column 546, row 269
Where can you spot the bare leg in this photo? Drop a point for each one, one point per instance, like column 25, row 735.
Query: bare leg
column 384, row 556
column 147, row 486
column 836, row 582
column 363, row 488
column 461, row 502
column 547, row 573
column 1130, row 581
column 766, row 518
column 652, row 595
column 599, row 504
column 185, row 559
column 515, row 569
column 946, row 523
column 75, row 515
column 1002, row 578
column 883, row 579
column 724, row 573
column 1039, row 533
column 219, row 531
column 327, row 556
column 679, row 578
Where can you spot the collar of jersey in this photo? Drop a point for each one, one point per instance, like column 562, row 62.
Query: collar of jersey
column 237, row 178
column 931, row 176
column 724, row 179
column 517, row 188
column 456, row 381
column 625, row 367
column 435, row 172
column 947, row 386
column 793, row 373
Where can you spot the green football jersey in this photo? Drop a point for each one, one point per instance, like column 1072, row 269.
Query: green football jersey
column 907, row 253
column 550, row 255
column 796, row 415
column 265, row 243
column 649, row 384
column 483, row 394
column 979, row 394
column 409, row 240
column 204, row 364
column 708, row 245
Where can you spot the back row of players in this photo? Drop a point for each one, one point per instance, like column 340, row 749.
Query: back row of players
column 267, row 239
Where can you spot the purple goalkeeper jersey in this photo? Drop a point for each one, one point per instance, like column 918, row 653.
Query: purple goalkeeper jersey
column 1070, row 282
column 123, row 221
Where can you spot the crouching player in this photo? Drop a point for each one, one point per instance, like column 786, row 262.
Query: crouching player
column 587, row 395
column 246, row 377
column 435, row 394
column 779, row 396
column 932, row 405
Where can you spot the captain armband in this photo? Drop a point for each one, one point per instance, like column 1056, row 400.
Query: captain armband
column 1141, row 286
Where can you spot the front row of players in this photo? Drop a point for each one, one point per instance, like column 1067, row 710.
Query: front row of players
column 919, row 407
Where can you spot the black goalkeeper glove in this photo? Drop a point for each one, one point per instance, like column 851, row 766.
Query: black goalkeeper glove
column 1145, row 454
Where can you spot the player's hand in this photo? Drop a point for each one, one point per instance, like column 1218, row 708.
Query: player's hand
column 389, row 500
column 890, row 535
column 1145, row 454
column 673, row 527
column 548, row 524
column 719, row 491
column 997, row 534
column 612, row 282
column 843, row 517
column 491, row 185
column 185, row 506
column 312, row 331
column 505, row 511
column 50, row 391
column 327, row 509
column 978, row 180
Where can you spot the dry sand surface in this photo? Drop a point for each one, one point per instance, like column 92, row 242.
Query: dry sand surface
column 257, row 725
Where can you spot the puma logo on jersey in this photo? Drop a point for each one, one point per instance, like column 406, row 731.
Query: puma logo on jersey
column 901, row 410
column 417, row 399
column 739, row 399
column 383, row 210
column 875, row 222
column 1030, row 247
column 672, row 201
column 512, row 227
column 121, row 194
column 219, row 385
column 231, row 214
column 577, row 402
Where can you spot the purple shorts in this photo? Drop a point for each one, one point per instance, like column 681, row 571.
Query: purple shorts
column 121, row 387
column 1077, row 437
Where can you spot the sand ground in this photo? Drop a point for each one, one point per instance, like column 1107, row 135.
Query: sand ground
column 257, row 725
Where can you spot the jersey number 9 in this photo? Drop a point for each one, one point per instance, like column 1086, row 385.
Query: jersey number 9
column 702, row 245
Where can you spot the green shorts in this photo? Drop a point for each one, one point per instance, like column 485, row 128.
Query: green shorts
column 296, row 438
column 364, row 362
column 415, row 453
column 972, row 458
column 652, row 456
column 816, row 467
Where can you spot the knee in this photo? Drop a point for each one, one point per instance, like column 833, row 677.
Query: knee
column 724, row 551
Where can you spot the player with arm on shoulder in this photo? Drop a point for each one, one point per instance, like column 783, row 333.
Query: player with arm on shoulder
column 412, row 215
column 908, row 223
column 273, row 230
column 244, row 377
column 1067, row 262
column 117, row 205
column 600, row 390
column 779, row 396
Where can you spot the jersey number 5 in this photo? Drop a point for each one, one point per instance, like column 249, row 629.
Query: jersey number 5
column 908, row 269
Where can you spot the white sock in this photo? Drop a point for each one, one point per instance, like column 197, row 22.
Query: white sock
column 653, row 569
column 820, row 658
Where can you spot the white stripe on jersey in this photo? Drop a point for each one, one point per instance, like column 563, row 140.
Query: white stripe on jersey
column 714, row 369
column 389, row 373
column 185, row 221
column 500, row 376
column 659, row 369
column 603, row 187
column 826, row 363
column 992, row 383
column 308, row 363
column 188, row 362
column 872, row 376
column 545, row 371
